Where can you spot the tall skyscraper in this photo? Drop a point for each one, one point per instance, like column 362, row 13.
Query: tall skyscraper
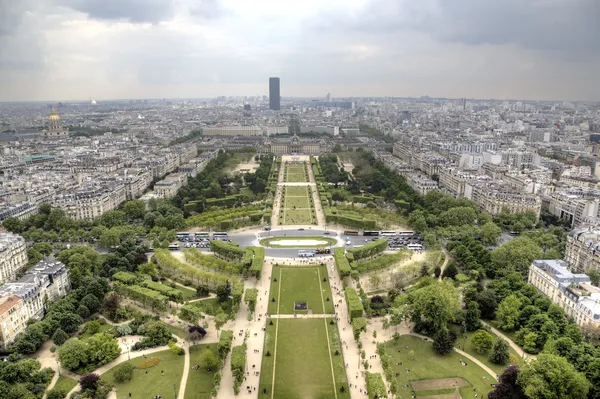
column 274, row 94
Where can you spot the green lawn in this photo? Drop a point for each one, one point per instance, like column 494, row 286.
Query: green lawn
column 144, row 386
column 302, row 216
column 200, row 382
column 297, row 208
column 188, row 293
column 65, row 383
column 428, row 365
column 273, row 242
column 308, row 375
column 296, row 173
column 471, row 350
column 300, row 284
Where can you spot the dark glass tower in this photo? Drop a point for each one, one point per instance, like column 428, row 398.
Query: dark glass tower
column 274, row 94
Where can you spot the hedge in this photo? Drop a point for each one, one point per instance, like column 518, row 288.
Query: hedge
column 224, row 201
column 214, row 217
column 167, row 261
column 248, row 256
column 190, row 313
column 257, row 262
column 355, row 306
column 238, row 366
column 224, row 345
column 375, row 386
column 359, row 324
column 385, row 359
column 342, row 264
column 250, row 297
column 171, row 293
column 125, row 277
column 199, row 259
column 370, row 249
column 144, row 295
column 227, row 250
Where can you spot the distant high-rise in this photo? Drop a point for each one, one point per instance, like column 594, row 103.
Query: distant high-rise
column 274, row 94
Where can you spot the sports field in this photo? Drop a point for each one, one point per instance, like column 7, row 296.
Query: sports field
column 430, row 372
column 302, row 361
column 291, row 284
column 297, row 207
column 296, row 173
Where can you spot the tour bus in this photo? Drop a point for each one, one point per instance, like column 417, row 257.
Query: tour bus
column 174, row 247
column 201, row 235
column 406, row 233
column 306, row 253
column 219, row 235
column 323, row 250
column 415, row 247
column 514, row 233
column 371, row 233
column 350, row 232
column 388, row 233
column 183, row 235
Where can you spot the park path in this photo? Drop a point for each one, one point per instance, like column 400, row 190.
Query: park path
column 186, row 371
column 278, row 197
column 316, row 198
column 349, row 345
column 512, row 344
column 446, row 260
column 254, row 329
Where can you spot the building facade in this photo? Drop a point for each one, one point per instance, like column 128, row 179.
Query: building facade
column 13, row 256
column 574, row 293
column 13, row 319
column 274, row 94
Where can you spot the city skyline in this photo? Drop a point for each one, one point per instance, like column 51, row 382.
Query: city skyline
column 62, row 50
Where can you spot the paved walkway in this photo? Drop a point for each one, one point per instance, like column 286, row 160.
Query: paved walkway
column 513, row 345
column 302, row 316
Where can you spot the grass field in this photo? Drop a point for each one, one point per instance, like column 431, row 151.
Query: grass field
column 273, row 242
column 428, row 365
column 200, row 382
column 291, row 284
column 309, row 375
column 178, row 331
column 211, row 306
column 65, row 383
column 297, row 208
column 142, row 385
column 188, row 293
column 296, row 173
column 103, row 328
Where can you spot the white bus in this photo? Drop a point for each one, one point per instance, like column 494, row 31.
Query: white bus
column 415, row 247
column 388, row 233
column 174, row 247
column 406, row 233
column 306, row 253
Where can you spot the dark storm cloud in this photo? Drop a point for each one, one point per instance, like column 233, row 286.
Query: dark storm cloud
column 569, row 27
column 140, row 11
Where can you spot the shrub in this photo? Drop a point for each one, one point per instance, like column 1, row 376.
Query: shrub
column 56, row 393
column 148, row 363
column 59, row 337
column 124, row 372
column 89, row 381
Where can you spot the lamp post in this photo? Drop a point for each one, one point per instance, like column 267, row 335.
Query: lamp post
column 175, row 391
column 58, row 366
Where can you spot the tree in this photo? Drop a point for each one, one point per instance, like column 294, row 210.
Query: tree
column 224, row 291
column 124, row 372
column 433, row 306
column 83, row 311
column 424, row 270
column 13, row 225
column 442, row 344
column 91, row 302
column 508, row 388
column 375, row 280
column 550, row 376
column 499, row 353
column 472, row 316
column 59, row 337
column 92, row 327
column 450, row 271
column 220, row 320
column 437, row 271
column 515, row 255
column 507, row 313
column 73, row 354
column 89, row 382
column 134, row 210
column 490, row 233
column 158, row 332
column 102, row 348
column 111, row 303
column 208, row 360
column 482, row 340
column 594, row 276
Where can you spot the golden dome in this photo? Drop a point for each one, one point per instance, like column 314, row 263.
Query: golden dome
column 54, row 115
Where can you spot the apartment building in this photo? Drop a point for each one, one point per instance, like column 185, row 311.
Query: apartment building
column 232, row 131
column 168, row 187
column 576, row 207
column 422, row 184
column 27, row 298
column 136, row 181
column 13, row 319
column 582, row 252
column 13, row 256
column 574, row 293
column 495, row 199
column 89, row 203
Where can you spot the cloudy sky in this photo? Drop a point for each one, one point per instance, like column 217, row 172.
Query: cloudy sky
column 106, row 49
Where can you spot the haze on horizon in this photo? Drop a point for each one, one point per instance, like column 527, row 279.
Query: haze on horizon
column 106, row 49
